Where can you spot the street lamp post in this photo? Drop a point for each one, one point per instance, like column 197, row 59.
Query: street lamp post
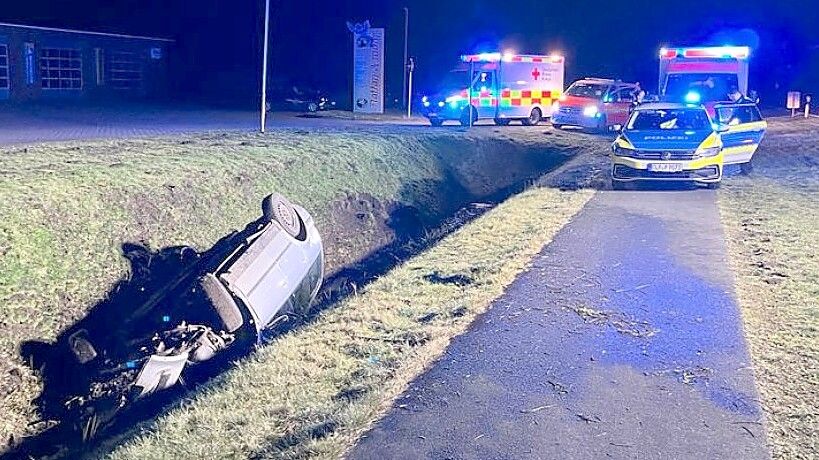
column 264, row 64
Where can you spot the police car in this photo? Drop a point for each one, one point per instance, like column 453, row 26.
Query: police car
column 670, row 141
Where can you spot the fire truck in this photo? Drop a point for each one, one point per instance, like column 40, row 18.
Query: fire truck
column 499, row 87
column 703, row 75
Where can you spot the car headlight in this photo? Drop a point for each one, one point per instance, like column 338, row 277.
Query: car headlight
column 426, row 103
column 708, row 152
column 590, row 110
column 441, row 104
column 621, row 151
column 424, row 99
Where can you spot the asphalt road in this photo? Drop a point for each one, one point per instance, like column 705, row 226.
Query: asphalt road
column 622, row 341
column 49, row 123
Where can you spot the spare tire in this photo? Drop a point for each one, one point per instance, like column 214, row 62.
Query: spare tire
column 277, row 208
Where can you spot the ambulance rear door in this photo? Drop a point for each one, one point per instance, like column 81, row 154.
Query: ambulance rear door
column 528, row 82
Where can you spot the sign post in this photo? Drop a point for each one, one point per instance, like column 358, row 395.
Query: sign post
column 368, row 68
column 410, row 70
column 794, row 100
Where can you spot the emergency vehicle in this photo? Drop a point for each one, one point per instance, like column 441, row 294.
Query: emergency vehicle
column 499, row 87
column 674, row 141
column 595, row 103
column 703, row 75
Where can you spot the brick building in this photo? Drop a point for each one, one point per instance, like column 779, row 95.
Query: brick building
column 48, row 63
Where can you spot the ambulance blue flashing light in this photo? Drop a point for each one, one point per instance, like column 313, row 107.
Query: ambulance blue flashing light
column 693, row 97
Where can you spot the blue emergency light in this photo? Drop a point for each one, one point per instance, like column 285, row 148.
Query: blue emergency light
column 693, row 97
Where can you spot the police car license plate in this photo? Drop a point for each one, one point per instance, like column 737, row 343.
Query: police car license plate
column 665, row 167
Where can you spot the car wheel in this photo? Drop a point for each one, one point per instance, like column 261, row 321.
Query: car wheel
column 557, row 126
column 436, row 122
column 467, row 112
column 534, row 117
column 277, row 208
column 618, row 185
column 746, row 168
column 312, row 107
column 502, row 121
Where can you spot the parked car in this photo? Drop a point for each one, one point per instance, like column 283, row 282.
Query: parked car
column 680, row 142
column 227, row 299
column 595, row 103
column 300, row 99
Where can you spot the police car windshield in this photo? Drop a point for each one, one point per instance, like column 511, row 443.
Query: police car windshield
column 587, row 90
column 710, row 87
column 669, row 120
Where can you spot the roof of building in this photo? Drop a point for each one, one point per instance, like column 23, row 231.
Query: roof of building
column 85, row 32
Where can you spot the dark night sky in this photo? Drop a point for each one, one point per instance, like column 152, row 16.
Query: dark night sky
column 219, row 40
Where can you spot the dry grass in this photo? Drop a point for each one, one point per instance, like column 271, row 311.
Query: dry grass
column 772, row 223
column 66, row 208
column 312, row 393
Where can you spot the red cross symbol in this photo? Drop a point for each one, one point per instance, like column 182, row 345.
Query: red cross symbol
column 535, row 73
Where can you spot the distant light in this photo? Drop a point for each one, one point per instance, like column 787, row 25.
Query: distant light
column 693, row 97
column 508, row 55
column 426, row 103
column 441, row 104
column 424, row 99
column 590, row 110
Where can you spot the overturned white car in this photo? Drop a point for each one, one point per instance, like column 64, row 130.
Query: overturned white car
column 226, row 299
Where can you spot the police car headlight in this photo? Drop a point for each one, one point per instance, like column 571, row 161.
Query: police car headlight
column 590, row 110
column 708, row 152
column 621, row 151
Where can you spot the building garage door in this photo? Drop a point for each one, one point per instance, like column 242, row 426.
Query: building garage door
column 124, row 70
column 61, row 69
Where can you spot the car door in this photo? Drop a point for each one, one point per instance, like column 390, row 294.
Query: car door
column 742, row 128
column 484, row 93
column 620, row 107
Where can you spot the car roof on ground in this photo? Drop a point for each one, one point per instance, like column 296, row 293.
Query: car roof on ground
column 668, row 106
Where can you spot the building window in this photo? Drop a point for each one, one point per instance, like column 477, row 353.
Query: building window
column 4, row 66
column 124, row 70
column 61, row 68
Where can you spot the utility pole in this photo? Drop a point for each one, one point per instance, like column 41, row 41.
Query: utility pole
column 264, row 64
column 404, row 99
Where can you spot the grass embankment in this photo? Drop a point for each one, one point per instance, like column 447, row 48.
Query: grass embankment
column 66, row 209
column 312, row 393
column 772, row 222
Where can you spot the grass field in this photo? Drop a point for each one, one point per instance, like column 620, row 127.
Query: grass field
column 67, row 208
column 772, row 222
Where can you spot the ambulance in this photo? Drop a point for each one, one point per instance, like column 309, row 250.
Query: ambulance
column 708, row 76
column 499, row 87
column 703, row 75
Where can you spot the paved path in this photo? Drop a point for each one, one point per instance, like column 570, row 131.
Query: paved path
column 623, row 341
